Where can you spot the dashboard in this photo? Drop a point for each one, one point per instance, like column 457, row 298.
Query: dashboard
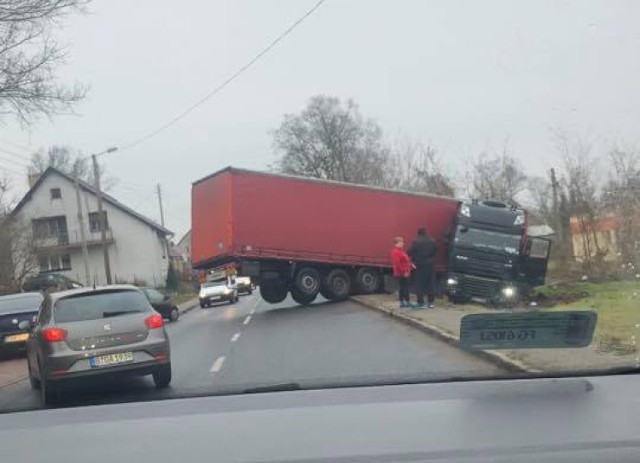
column 527, row 420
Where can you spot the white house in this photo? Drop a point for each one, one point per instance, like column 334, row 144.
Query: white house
column 137, row 246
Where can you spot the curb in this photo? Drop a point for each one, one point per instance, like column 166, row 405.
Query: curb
column 13, row 381
column 498, row 359
column 187, row 306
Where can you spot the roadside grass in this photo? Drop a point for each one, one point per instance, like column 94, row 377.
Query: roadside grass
column 617, row 304
column 184, row 296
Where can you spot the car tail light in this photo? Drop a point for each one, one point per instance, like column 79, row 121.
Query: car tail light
column 154, row 321
column 54, row 334
column 161, row 357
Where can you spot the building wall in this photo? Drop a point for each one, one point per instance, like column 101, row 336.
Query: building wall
column 138, row 251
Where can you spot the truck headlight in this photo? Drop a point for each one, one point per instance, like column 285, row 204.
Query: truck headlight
column 464, row 210
column 227, row 291
column 202, row 294
column 509, row 292
column 452, row 281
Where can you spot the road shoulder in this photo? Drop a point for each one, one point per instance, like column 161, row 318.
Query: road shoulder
column 442, row 324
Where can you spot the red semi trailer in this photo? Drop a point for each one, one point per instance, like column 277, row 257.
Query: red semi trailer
column 308, row 236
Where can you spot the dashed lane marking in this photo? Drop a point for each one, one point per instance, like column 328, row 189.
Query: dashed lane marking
column 247, row 320
column 217, row 365
column 235, row 337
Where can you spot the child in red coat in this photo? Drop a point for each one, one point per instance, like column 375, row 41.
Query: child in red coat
column 401, row 270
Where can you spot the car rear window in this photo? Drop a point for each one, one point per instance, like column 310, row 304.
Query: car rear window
column 105, row 304
column 20, row 303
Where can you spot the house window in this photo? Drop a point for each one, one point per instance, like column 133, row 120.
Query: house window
column 55, row 263
column 51, row 227
column 55, row 193
column 94, row 221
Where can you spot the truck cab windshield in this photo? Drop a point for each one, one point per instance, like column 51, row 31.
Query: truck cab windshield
column 487, row 240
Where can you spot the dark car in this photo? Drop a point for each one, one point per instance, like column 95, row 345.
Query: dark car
column 162, row 303
column 45, row 281
column 244, row 285
column 15, row 309
column 96, row 332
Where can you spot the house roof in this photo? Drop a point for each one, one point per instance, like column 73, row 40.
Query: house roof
column 187, row 236
column 90, row 189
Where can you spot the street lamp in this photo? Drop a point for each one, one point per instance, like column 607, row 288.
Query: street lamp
column 101, row 215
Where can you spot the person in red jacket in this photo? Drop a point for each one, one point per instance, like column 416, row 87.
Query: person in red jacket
column 401, row 270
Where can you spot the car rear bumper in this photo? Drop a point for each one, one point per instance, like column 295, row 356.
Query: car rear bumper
column 147, row 356
column 137, row 369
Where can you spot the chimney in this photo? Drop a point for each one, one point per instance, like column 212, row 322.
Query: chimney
column 32, row 177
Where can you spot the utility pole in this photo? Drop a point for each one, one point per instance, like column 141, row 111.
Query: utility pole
column 83, row 238
column 160, row 203
column 101, row 218
column 166, row 242
column 556, row 208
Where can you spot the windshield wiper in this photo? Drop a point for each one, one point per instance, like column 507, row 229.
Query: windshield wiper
column 273, row 388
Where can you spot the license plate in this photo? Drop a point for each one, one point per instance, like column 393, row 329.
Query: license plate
column 17, row 338
column 111, row 359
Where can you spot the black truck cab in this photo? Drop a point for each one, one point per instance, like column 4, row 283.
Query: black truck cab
column 490, row 256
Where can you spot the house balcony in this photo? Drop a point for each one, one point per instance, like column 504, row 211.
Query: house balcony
column 70, row 241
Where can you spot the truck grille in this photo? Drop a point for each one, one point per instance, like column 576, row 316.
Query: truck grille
column 483, row 267
column 479, row 287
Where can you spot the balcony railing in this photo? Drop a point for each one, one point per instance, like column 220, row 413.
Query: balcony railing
column 70, row 240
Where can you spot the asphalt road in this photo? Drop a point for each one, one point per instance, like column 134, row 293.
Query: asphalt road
column 231, row 348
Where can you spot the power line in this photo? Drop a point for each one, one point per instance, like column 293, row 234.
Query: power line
column 14, row 154
column 16, row 145
column 226, row 82
column 9, row 169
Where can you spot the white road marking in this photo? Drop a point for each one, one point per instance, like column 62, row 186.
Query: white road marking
column 247, row 320
column 217, row 365
column 252, row 311
column 235, row 337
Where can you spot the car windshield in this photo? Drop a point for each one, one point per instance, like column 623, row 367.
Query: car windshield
column 214, row 284
column 93, row 306
column 18, row 303
column 488, row 240
column 294, row 176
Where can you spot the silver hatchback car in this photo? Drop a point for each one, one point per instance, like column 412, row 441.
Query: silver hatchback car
column 96, row 331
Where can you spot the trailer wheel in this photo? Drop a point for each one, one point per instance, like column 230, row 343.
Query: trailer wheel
column 273, row 294
column 368, row 280
column 302, row 298
column 337, row 285
column 307, row 282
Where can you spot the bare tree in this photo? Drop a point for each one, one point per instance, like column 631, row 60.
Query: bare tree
column 621, row 196
column 499, row 177
column 331, row 140
column 30, row 56
column 583, row 194
column 17, row 257
column 416, row 167
column 70, row 161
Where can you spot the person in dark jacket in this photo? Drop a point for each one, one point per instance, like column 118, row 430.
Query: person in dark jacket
column 401, row 271
column 423, row 254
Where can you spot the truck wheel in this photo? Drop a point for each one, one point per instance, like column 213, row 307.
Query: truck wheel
column 302, row 298
column 367, row 280
column 273, row 294
column 337, row 285
column 307, row 283
column 389, row 284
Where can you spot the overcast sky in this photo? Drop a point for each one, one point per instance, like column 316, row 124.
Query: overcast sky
column 462, row 75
